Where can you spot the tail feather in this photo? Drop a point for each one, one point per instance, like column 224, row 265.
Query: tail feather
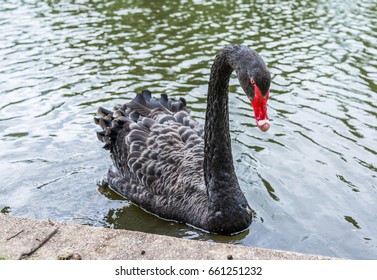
column 103, row 112
column 164, row 100
column 143, row 104
column 140, row 105
column 104, row 123
column 147, row 95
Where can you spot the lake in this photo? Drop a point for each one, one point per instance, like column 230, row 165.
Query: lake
column 311, row 179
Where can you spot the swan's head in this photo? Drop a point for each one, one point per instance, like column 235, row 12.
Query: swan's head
column 255, row 79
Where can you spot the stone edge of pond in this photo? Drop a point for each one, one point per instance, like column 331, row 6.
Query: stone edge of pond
column 64, row 241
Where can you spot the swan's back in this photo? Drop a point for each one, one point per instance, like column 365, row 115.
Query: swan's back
column 158, row 151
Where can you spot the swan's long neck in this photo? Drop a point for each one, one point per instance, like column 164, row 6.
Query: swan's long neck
column 218, row 162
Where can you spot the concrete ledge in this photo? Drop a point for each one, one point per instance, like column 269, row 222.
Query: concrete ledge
column 18, row 235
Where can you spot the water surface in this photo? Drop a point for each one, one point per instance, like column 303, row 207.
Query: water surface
column 311, row 179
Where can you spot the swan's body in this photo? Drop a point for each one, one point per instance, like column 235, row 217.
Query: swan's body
column 170, row 165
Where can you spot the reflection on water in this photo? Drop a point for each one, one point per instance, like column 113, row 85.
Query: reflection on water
column 311, row 180
column 132, row 217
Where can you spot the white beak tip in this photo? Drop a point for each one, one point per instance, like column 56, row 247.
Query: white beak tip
column 263, row 125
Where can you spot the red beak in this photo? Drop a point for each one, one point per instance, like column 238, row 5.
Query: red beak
column 259, row 104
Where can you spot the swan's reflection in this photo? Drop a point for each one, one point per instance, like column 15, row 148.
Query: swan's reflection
column 132, row 217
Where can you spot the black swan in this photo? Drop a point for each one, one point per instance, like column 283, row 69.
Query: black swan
column 170, row 165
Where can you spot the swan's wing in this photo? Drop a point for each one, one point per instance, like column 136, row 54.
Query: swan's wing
column 158, row 150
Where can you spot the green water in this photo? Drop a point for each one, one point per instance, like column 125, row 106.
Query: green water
column 311, row 179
